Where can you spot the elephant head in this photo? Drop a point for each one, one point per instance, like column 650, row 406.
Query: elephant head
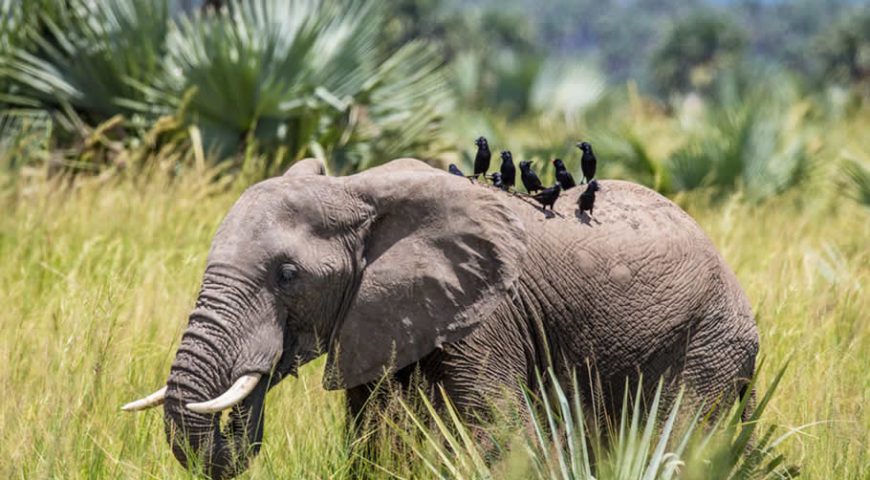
column 376, row 270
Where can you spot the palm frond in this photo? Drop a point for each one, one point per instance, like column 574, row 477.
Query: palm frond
column 856, row 180
column 647, row 444
column 294, row 74
column 88, row 56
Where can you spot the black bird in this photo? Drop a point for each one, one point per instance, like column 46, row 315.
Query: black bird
column 497, row 181
column 508, row 171
column 529, row 177
column 588, row 162
column 481, row 160
column 548, row 196
column 563, row 176
column 587, row 198
column 455, row 170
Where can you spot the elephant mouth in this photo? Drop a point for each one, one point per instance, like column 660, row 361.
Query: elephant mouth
column 202, row 385
column 201, row 441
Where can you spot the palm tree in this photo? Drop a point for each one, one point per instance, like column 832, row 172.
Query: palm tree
column 305, row 76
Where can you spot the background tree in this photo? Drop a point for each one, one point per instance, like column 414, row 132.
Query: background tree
column 695, row 51
column 843, row 50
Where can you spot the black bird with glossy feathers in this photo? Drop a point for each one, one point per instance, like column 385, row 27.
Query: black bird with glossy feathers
column 529, row 177
column 508, row 170
column 455, row 170
column 497, row 181
column 548, row 196
column 587, row 198
column 588, row 162
column 563, row 176
column 481, row 160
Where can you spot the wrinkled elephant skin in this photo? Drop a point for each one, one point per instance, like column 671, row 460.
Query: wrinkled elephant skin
column 406, row 266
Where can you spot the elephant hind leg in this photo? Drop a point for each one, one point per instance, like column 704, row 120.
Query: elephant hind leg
column 719, row 368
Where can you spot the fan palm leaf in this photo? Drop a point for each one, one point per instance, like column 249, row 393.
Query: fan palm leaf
column 87, row 57
column 306, row 75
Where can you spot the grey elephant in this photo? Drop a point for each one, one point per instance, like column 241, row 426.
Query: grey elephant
column 406, row 267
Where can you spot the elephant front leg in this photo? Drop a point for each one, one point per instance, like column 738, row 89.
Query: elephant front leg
column 367, row 407
column 363, row 404
column 482, row 377
column 356, row 399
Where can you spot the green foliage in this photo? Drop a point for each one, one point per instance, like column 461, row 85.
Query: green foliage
column 843, row 49
column 99, row 275
column 454, row 452
column 313, row 83
column 567, row 442
column 566, row 88
column 88, row 58
column 23, row 137
column 758, row 139
column 695, row 51
column 857, row 180
column 493, row 56
column 623, row 34
column 19, row 28
column 12, row 27
column 634, row 158
column 304, row 77
column 758, row 142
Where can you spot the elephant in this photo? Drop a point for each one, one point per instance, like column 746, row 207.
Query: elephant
column 404, row 266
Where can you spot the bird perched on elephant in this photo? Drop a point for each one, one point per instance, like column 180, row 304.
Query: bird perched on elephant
column 498, row 181
column 530, row 179
column 406, row 267
column 586, row 201
column 507, row 171
column 563, row 176
column 481, row 158
column 548, row 196
column 588, row 163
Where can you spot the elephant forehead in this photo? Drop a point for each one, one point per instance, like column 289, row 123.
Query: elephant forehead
column 254, row 242
column 256, row 226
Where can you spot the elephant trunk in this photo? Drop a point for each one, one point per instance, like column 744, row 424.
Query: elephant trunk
column 203, row 369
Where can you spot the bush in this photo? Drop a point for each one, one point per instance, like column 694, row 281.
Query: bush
column 650, row 440
column 843, row 49
column 303, row 77
column 695, row 51
column 89, row 59
column 758, row 142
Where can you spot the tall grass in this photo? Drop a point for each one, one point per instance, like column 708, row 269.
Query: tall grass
column 97, row 278
column 656, row 437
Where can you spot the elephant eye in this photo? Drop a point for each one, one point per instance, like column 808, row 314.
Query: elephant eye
column 286, row 274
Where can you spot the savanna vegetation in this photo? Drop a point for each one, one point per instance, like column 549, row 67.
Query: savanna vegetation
column 128, row 128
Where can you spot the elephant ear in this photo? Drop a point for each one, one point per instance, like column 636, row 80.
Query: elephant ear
column 440, row 254
column 306, row 166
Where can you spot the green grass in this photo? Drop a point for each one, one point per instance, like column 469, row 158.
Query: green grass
column 96, row 282
column 646, row 442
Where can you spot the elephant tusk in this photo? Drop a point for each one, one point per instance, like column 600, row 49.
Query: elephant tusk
column 235, row 394
column 145, row 403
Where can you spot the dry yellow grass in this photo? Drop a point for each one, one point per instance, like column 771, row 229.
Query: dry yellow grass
column 96, row 283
